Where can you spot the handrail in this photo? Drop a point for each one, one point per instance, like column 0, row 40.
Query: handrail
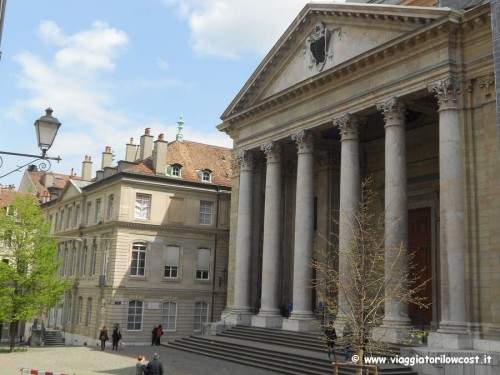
column 238, row 316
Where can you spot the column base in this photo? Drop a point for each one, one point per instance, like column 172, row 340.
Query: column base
column 393, row 331
column 449, row 340
column 238, row 317
column 301, row 323
column 267, row 321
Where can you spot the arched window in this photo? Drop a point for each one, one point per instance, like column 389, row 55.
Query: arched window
column 138, row 260
column 206, row 176
column 200, row 315
column 169, row 316
column 134, row 316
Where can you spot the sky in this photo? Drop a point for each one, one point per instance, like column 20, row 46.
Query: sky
column 111, row 68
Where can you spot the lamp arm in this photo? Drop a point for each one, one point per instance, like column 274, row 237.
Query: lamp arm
column 44, row 162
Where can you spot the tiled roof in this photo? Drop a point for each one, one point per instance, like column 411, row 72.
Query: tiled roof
column 7, row 197
column 59, row 181
column 194, row 157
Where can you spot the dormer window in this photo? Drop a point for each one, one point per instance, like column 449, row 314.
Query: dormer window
column 206, row 176
column 174, row 170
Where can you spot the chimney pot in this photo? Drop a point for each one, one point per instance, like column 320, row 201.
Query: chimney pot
column 147, row 131
column 160, row 137
column 131, row 141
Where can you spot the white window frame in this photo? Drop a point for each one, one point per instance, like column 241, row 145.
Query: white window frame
column 203, row 264
column 206, row 212
column 138, row 255
column 200, row 315
column 176, row 171
column 142, row 206
column 206, row 176
column 137, row 318
column 172, row 260
column 169, row 316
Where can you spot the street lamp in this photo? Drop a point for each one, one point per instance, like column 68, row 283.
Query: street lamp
column 46, row 130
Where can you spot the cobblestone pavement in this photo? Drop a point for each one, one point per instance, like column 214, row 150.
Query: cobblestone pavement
column 84, row 360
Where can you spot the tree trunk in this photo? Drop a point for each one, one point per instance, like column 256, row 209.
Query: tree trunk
column 13, row 333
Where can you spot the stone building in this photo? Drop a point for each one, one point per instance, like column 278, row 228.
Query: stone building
column 145, row 241
column 404, row 94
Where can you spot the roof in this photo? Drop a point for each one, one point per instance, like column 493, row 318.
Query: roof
column 7, row 197
column 59, row 181
column 194, row 157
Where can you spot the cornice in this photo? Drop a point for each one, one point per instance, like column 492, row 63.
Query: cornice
column 170, row 228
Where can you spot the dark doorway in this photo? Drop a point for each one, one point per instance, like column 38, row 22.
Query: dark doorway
column 420, row 244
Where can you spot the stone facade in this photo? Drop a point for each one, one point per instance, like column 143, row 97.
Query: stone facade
column 404, row 95
column 146, row 242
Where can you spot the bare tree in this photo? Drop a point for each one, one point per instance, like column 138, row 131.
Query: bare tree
column 366, row 280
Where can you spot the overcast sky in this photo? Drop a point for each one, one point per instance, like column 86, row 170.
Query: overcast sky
column 111, row 68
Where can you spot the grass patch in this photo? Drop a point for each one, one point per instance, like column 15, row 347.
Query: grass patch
column 16, row 350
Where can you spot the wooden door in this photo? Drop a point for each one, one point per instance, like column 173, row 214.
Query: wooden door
column 420, row 244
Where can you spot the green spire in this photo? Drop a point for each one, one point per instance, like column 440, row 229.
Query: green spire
column 180, row 124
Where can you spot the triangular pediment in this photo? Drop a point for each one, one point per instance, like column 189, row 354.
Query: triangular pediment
column 324, row 37
column 73, row 188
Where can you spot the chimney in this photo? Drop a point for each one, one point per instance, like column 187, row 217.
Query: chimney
column 107, row 158
column 47, row 180
column 146, row 144
column 87, row 168
column 160, row 155
column 131, row 151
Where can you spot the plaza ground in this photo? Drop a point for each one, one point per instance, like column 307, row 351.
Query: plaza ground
column 84, row 360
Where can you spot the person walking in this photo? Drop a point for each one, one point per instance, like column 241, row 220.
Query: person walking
column 140, row 366
column 159, row 334
column 153, row 335
column 103, row 336
column 331, row 337
column 154, row 367
column 116, row 336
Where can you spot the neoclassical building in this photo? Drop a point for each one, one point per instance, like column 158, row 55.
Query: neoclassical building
column 403, row 94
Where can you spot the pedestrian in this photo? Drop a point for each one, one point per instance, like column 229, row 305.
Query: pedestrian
column 153, row 335
column 140, row 366
column 103, row 336
column 331, row 337
column 116, row 336
column 154, row 367
column 347, row 335
column 159, row 334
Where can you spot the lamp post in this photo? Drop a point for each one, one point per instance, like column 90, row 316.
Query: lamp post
column 46, row 130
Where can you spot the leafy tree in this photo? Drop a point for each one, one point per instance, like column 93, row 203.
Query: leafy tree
column 367, row 279
column 29, row 279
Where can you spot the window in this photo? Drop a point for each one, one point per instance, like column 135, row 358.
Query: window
column 105, row 259
column 171, row 262
column 203, row 264
column 76, row 221
column 169, row 316
column 89, row 311
column 68, row 219
column 56, row 221
column 69, row 311
column 88, row 213
column 93, row 260
column 65, row 262
column 206, row 176
column 111, row 206
column 61, row 222
column 97, row 217
column 176, row 171
column 142, row 206
column 134, row 317
column 80, row 310
column 206, row 213
column 72, row 268
column 200, row 315
column 84, row 260
column 138, row 264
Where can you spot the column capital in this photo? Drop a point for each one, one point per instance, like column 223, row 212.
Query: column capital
column 348, row 125
column 393, row 111
column 446, row 92
column 272, row 150
column 304, row 140
column 245, row 160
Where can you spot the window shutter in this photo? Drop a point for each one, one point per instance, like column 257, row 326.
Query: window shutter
column 172, row 256
column 203, row 259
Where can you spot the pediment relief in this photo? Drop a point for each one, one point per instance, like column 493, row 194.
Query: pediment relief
column 322, row 37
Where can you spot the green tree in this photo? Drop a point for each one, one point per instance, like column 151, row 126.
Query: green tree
column 371, row 275
column 29, row 279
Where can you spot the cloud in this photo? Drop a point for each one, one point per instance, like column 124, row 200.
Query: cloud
column 230, row 28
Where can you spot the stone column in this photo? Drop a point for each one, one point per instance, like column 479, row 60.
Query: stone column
column 396, row 211
column 300, row 319
column 269, row 314
column 452, row 216
column 350, row 195
column 242, row 304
